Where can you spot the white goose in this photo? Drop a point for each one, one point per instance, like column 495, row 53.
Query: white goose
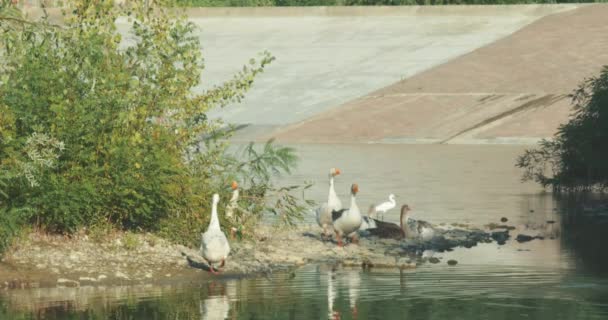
column 386, row 206
column 324, row 218
column 348, row 221
column 214, row 245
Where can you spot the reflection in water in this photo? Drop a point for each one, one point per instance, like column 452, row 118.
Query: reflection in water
column 331, row 296
column 217, row 303
column 564, row 276
column 467, row 291
column 354, row 282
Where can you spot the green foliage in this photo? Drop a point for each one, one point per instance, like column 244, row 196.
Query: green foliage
column 96, row 128
column 254, row 167
column 577, row 158
column 131, row 242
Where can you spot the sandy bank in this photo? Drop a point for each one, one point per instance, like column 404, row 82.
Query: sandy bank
column 53, row 261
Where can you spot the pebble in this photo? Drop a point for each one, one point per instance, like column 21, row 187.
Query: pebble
column 504, row 219
column 87, row 279
column 452, row 262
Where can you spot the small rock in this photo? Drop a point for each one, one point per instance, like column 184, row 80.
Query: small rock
column 148, row 275
column 504, row 219
column 101, row 277
column 434, row 260
column 550, row 221
column 500, row 237
column 452, row 262
column 524, row 238
column 167, row 275
column 531, row 210
column 119, row 274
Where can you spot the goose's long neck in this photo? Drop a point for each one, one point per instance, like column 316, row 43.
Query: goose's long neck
column 353, row 202
column 332, row 192
column 215, row 221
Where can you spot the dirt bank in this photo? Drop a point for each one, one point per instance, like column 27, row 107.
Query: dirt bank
column 127, row 259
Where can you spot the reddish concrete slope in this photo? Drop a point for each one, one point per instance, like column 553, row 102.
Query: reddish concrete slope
column 514, row 90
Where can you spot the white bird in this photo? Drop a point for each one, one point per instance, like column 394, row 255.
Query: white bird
column 214, row 245
column 386, row 206
column 348, row 221
column 333, row 203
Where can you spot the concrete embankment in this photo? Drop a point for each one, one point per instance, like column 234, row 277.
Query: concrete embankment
column 514, row 90
column 414, row 74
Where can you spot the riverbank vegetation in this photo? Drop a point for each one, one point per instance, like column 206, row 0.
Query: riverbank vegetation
column 103, row 131
column 307, row 3
column 576, row 159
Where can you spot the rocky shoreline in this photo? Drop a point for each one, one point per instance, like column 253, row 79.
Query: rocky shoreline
column 129, row 259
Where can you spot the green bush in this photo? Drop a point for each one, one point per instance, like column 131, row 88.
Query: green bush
column 577, row 158
column 95, row 128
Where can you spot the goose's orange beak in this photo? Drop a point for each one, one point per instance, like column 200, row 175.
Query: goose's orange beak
column 355, row 188
column 337, row 171
column 234, row 185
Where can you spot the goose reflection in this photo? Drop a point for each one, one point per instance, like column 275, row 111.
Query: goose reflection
column 331, row 296
column 216, row 305
column 354, row 284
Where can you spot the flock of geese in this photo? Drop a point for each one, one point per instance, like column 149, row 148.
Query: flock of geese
column 347, row 222
column 331, row 217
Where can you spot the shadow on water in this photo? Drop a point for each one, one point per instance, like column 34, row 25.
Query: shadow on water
column 585, row 225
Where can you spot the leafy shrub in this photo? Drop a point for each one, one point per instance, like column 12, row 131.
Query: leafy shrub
column 96, row 128
column 577, row 158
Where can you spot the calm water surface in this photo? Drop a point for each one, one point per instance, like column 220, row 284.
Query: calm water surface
column 561, row 278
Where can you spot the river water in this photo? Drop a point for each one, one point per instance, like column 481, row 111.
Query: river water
column 564, row 276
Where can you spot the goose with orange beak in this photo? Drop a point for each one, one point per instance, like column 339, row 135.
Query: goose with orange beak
column 324, row 218
column 214, row 245
column 347, row 221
